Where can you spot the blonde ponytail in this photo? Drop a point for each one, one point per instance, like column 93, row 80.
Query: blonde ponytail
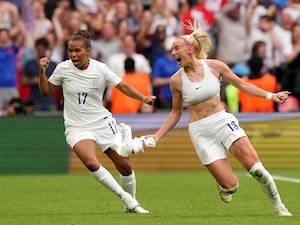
column 199, row 39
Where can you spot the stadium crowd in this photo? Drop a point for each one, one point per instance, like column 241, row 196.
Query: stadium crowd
column 258, row 39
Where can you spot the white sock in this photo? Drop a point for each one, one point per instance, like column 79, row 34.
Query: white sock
column 267, row 183
column 129, row 184
column 105, row 178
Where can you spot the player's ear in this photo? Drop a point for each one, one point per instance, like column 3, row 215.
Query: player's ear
column 191, row 50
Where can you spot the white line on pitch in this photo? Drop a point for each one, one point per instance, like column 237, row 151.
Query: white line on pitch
column 288, row 179
column 280, row 178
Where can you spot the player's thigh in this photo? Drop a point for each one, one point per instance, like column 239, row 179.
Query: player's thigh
column 244, row 152
column 223, row 173
column 86, row 151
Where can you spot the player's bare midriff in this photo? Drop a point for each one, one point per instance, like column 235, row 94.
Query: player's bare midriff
column 204, row 109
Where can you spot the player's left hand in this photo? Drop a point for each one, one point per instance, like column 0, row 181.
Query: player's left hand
column 281, row 97
column 150, row 140
column 149, row 99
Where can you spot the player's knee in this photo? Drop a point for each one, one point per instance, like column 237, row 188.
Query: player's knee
column 92, row 165
column 124, row 168
column 231, row 190
column 125, row 172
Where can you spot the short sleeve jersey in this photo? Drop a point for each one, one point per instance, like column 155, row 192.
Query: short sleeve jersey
column 83, row 92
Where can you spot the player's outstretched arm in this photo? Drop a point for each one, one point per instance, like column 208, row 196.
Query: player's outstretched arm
column 134, row 93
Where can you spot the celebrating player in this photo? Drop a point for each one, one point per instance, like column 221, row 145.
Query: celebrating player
column 88, row 124
column 211, row 128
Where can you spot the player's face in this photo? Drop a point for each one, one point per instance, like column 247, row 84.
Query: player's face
column 181, row 52
column 79, row 54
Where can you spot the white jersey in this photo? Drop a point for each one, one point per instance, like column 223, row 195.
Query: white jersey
column 83, row 92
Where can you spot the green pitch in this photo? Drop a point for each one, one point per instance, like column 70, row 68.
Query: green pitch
column 172, row 198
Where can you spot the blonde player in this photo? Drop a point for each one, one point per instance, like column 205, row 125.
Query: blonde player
column 212, row 130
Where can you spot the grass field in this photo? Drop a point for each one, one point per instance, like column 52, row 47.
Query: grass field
column 173, row 199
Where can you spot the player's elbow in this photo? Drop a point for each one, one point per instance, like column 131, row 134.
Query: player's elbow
column 44, row 91
column 47, row 89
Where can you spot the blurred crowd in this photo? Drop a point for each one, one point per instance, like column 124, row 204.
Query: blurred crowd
column 258, row 39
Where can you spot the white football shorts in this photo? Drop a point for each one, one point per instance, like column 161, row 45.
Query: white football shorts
column 212, row 136
column 105, row 134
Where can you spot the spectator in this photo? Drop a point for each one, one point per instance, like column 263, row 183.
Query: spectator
column 262, row 22
column 116, row 61
column 37, row 27
column 92, row 17
column 122, row 13
column 89, row 5
column 199, row 13
column 107, row 9
column 286, row 19
column 9, row 17
column 65, row 8
column 14, row 107
column 122, row 104
column 107, row 44
column 263, row 32
column 163, row 68
column 293, row 6
column 231, row 21
column 177, row 6
column 31, row 77
column 9, row 47
column 259, row 49
column 260, row 79
column 289, row 73
column 216, row 6
column 41, row 24
column 123, row 29
column 259, row 8
column 75, row 22
column 238, row 101
column 282, row 46
column 151, row 44
column 135, row 8
column 163, row 16
column 59, row 36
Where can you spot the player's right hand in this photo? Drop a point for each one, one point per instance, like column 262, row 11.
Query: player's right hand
column 44, row 63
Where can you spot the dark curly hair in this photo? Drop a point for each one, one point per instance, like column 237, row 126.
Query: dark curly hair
column 82, row 35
